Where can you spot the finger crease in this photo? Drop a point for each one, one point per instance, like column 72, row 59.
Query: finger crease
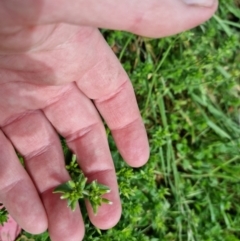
column 16, row 118
column 38, row 152
column 81, row 133
column 102, row 172
column 56, row 99
column 112, row 95
column 10, row 186
column 125, row 125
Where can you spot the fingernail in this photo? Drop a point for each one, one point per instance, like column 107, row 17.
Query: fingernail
column 203, row 3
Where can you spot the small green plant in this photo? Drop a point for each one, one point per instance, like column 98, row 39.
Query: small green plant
column 3, row 215
column 78, row 188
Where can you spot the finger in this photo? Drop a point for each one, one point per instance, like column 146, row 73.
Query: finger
column 121, row 113
column 36, row 140
column 17, row 191
column 153, row 18
column 76, row 119
column 109, row 86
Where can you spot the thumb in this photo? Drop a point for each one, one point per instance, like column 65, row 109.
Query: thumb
column 152, row 18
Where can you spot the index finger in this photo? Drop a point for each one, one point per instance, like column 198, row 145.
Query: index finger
column 109, row 86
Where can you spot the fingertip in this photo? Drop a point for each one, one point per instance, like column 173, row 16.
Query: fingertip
column 140, row 158
column 37, row 227
column 132, row 143
column 26, row 210
column 200, row 13
column 36, row 221
column 64, row 224
column 138, row 155
column 201, row 3
column 181, row 17
column 107, row 217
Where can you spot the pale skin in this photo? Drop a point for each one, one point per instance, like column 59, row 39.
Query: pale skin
column 57, row 74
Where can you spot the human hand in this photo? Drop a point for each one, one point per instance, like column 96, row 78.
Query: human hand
column 49, row 76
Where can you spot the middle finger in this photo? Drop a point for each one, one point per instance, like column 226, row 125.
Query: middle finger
column 76, row 119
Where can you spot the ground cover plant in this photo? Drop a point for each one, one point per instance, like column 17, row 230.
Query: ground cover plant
column 188, row 90
column 79, row 188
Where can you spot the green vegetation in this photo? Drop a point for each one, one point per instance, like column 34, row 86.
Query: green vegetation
column 188, row 90
column 78, row 188
column 3, row 215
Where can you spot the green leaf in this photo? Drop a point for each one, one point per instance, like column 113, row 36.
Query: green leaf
column 65, row 187
column 95, row 208
column 71, row 184
column 3, row 215
column 218, row 130
column 65, row 196
column 104, row 200
column 104, row 188
column 72, row 204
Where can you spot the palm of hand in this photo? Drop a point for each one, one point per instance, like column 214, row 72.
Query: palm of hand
column 55, row 88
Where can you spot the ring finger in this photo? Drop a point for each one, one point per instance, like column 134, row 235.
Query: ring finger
column 34, row 137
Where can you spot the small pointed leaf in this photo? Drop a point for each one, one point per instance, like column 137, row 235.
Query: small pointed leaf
column 65, row 187
column 104, row 200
